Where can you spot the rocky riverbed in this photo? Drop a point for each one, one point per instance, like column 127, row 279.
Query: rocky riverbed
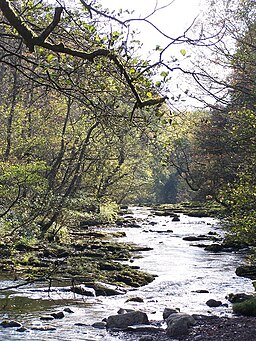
column 155, row 261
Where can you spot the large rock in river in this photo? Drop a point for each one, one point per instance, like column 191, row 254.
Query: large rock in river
column 246, row 271
column 178, row 324
column 122, row 321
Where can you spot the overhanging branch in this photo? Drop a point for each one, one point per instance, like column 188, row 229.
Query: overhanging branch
column 32, row 39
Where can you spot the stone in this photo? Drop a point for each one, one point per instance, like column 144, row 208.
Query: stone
column 178, row 324
column 68, row 310
column 58, row 315
column 103, row 289
column 46, row 318
column 83, row 290
column 213, row 303
column 176, row 218
column 195, row 238
column 240, row 297
column 135, row 299
column 214, row 247
column 122, row 321
column 248, row 271
column 10, row 324
column 99, row 325
column 168, row 311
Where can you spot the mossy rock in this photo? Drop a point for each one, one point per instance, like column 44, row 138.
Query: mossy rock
column 246, row 308
column 248, row 271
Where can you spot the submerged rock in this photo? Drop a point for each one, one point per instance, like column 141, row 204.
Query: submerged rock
column 195, row 238
column 122, row 321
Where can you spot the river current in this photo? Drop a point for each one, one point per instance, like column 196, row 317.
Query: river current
column 182, row 270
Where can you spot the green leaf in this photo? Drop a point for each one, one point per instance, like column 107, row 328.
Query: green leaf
column 49, row 58
column 183, row 52
column 164, row 74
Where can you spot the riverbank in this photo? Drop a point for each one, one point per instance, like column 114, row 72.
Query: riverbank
column 210, row 328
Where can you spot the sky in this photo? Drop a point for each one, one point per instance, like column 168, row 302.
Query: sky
column 173, row 20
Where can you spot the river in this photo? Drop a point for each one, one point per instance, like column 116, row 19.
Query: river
column 181, row 269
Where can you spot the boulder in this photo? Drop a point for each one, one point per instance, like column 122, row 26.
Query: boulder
column 213, row 303
column 103, row 289
column 178, row 324
column 168, row 311
column 238, row 298
column 246, row 308
column 10, row 324
column 246, row 271
column 122, row 321
column 214, row 247
column 83, row 290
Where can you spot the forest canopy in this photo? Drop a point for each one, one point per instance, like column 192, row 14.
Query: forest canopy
column 87, row 123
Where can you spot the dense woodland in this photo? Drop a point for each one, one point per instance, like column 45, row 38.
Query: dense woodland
column 88, row 124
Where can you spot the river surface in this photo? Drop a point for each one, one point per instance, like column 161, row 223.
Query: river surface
column 181, row 270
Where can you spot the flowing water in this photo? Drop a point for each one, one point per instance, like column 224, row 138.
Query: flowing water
column 181, row 269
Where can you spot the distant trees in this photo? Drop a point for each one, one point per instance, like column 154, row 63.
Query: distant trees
column 217, row 155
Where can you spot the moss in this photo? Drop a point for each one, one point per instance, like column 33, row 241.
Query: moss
column 246, row 308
